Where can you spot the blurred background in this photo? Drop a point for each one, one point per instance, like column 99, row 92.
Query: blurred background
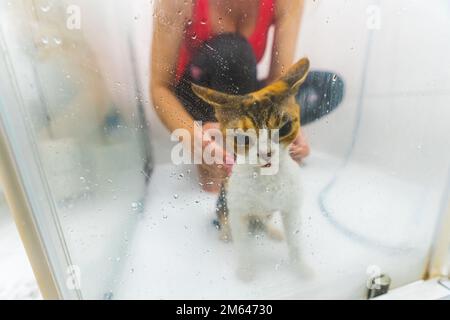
column 95, row 159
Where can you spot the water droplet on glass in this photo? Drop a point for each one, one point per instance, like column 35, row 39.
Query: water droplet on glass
column 175, row 196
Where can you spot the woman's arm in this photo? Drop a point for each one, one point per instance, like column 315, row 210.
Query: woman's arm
column 170, row 20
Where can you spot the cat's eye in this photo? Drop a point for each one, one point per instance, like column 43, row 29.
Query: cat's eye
column 286, row 129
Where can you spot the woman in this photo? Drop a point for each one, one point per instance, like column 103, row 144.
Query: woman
column 217, row 43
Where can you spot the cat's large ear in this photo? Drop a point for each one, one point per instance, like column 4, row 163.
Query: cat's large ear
column 297, row 74
column 215, row 98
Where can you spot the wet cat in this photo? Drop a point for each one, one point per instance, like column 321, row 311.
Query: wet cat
column 251, row 196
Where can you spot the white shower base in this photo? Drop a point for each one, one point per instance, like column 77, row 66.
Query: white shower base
column 175, row 252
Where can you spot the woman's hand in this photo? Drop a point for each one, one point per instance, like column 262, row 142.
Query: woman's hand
column 299, row 149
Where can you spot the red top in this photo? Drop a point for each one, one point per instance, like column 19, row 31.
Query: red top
column 199, row 30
